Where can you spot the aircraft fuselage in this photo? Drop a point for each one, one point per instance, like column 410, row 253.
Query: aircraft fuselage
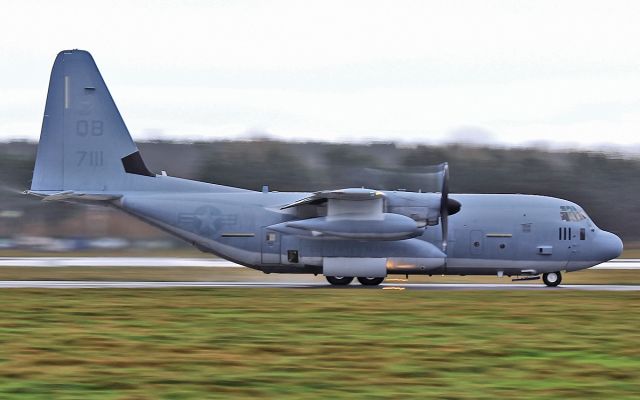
column 492, row 234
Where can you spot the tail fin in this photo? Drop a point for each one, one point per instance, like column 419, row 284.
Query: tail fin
column 84, row 143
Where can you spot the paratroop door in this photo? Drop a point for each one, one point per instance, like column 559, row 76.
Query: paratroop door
column 271, row 243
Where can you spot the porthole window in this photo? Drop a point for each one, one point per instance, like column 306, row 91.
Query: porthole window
column 292, row 256
column 476, row 244
column 502, row 245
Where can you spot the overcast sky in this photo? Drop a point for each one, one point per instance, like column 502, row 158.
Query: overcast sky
column 513, row 72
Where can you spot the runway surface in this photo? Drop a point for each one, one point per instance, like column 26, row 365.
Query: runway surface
column 621, row 263
column 166, row 262
column 304, row 285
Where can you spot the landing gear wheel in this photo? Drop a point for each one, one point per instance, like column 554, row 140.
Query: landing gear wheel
column 370, row 281
column 552, row 279
column 339, row 280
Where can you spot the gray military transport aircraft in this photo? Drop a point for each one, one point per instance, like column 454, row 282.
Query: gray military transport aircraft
column 86, row 155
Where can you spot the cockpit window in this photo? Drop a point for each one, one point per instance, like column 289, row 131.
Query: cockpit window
column 571, row 214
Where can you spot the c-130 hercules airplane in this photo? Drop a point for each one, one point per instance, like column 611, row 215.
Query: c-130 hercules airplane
column 86, row 155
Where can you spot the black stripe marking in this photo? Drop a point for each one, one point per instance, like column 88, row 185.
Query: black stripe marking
column 133, row 164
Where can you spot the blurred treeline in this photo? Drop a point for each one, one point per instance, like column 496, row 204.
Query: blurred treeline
column 605, row 185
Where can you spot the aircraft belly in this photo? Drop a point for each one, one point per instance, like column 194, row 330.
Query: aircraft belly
column 471, row 266
column 229, row 252
column 578, row 265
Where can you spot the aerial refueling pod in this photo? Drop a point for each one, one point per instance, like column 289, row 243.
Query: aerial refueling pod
column 389, row 227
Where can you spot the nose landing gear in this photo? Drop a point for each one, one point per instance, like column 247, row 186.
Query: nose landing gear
column 552, row 279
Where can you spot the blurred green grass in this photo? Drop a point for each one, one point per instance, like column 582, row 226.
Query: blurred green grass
column 322, row 343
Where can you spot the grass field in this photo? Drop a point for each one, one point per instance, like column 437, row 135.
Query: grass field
column 323, row 343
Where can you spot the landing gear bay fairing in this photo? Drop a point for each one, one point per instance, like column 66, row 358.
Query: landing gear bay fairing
column 86, row 155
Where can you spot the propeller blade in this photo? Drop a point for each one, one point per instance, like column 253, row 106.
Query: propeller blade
column 444, row 205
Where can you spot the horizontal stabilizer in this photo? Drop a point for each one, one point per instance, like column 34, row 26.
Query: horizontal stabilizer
column 68, row 195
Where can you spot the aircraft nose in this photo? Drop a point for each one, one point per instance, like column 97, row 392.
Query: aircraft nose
column 610, row 246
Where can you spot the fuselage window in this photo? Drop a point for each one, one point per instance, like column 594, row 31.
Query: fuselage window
column 583, row 234
column 564, row 233
column 292, row 256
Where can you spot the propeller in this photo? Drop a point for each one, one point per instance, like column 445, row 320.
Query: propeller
column 447, row 206
column 433, row 178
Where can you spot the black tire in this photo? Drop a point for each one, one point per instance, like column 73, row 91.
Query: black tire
column 370, row 281
column 339, row 280
column 552, row 279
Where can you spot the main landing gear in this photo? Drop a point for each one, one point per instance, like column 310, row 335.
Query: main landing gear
column 552, row 279
column 345, row 280
column 339, row 280
column 370, row 281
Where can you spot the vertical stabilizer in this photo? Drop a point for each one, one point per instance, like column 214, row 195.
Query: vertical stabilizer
column 84, row 143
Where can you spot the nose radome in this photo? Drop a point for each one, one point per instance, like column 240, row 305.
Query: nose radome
column 610, row 247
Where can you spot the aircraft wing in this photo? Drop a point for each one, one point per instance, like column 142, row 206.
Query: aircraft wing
column 352, row 194
column 351, row 213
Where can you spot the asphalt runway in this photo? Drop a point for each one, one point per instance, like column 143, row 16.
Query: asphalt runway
column 303, row 285
column 50, row 262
